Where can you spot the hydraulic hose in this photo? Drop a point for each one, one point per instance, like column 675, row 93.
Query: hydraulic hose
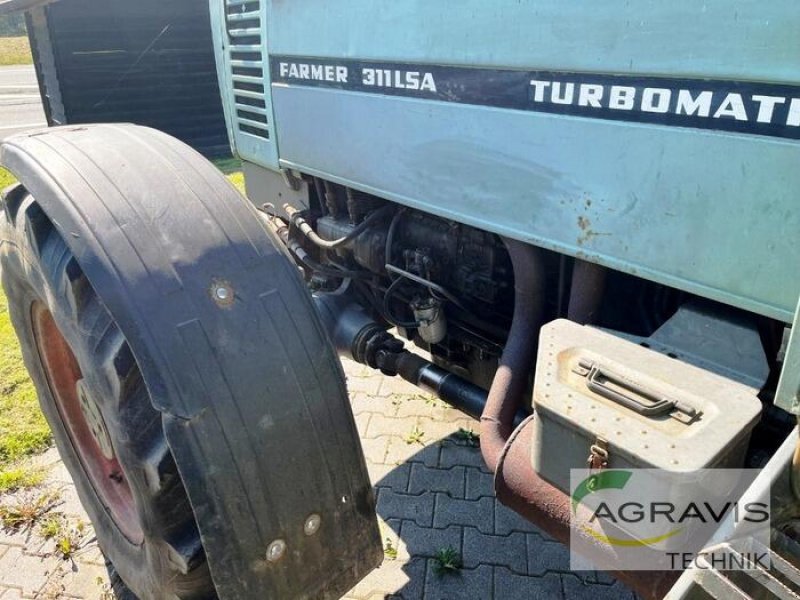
column 308, row 231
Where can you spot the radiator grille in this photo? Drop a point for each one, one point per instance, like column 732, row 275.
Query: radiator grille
column 246, row 62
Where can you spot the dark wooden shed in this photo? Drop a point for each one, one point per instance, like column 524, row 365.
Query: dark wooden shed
column 149, row 62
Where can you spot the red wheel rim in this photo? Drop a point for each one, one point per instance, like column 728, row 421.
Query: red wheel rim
column 84, row 424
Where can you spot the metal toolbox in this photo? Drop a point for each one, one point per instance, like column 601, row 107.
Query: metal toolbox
column 602, row 401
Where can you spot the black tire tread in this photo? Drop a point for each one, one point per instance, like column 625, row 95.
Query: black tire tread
column 106, row 354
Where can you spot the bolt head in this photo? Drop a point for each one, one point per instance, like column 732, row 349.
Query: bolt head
column 276, row 550
column 312, row 524
column 222, row 293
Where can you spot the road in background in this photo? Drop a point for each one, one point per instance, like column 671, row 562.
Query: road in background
column 20, row 103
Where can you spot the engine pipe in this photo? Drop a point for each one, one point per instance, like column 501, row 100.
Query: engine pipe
column 516, row 363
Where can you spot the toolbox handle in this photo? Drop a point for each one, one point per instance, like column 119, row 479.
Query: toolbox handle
column 598, row 378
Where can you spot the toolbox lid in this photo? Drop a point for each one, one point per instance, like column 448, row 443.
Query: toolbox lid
column 655, row 410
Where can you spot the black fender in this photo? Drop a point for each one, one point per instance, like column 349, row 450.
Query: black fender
column 251, row 393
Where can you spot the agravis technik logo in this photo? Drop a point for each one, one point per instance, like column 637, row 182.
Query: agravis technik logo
column 654, row 519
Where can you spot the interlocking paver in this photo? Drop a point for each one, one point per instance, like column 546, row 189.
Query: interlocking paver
column 390, row 476
column 507, row 521
column 505, row 551
column 512, row 586
column 406, row 579
column 427, row 541
column 575, row 587
column 544, row 556
column 401, row 451
column 430, row 496
column 451, row 481
column 466, row 584
column 419, row 508
column 381, row 425
column 453, row 454
column 455, row 511
column 479, row 483
column 26, row 572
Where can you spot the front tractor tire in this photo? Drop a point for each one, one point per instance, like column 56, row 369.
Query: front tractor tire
column 192, row 392
column 105, row 427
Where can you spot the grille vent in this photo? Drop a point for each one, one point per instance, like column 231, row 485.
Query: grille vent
column 246, row 50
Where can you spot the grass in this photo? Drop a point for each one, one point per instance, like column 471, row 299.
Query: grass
column 415, row 436
column 15, row 51
column 20, row 477
column 447, row 560
column 6, row 178
column 23, row 429
column 468, row 436
column 23, row 512
column 389, row 551
column 232, row 168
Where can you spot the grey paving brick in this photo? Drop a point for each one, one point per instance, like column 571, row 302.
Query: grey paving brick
column 362, row 423
column 390, row 386
column 416, row 405
column 426, row 541
column 82, row 580
column 479, row 483
column 419, row 508
column 26, row 572
column 507, row 521
column 399, row 451
column 361, row 403
column 354, row 369
column 474, row 513
column 11, row 594
column 574, row 587
column 375, row 449
column 544, row 556
column 511, row 586
column 452, row 455
column 381, row 425
column 391, row 476
column 505, row 551
column 364, row 385
column 601, row 577
column 467, row 584
column 440, row 430
column 426, row 479
column 396, row 578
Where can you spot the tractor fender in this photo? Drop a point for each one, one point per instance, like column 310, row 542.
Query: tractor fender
column 251, row 393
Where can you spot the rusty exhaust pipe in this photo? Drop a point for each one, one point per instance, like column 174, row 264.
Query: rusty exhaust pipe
column 507, row 451
column 516, row 364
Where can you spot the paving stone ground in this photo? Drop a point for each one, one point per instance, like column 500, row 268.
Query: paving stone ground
column 433, row 492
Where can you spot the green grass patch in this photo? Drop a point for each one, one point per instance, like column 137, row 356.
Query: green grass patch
column 6, row 178
column 23, row 430
column 232, row 168
column 19, row 478
column 15, row 51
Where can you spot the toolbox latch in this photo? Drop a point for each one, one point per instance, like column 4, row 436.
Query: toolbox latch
column 598, row 455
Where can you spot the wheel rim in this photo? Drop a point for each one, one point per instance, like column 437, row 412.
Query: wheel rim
column 84, row 424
